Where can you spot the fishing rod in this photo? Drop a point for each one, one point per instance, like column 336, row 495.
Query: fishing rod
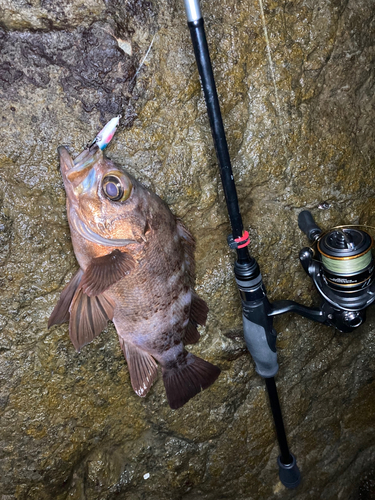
column 340, row 263
column 259, row 334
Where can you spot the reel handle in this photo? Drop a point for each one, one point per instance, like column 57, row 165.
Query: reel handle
column 307, row 224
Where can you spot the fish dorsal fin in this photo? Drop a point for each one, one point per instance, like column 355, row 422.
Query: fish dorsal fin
column 88, row 317
column 60, row 314
column 198, row 310
column 104, row 271
column 143, row 369
column 188, row 243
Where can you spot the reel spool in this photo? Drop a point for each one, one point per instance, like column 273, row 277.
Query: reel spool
column 346, row 256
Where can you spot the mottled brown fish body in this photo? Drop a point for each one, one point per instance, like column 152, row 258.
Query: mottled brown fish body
column 136, row 269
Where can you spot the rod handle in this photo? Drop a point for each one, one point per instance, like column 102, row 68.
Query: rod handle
column 307, row 224
column 258, row 339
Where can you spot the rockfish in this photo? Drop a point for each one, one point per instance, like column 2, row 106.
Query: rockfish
column 136, row 264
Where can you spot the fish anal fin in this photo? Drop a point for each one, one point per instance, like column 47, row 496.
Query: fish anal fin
column 60, row 314
column 143, row 369
column 191, row 335
column 88, row 317
column 185, row 381
column 198, row 310
column 105, row 271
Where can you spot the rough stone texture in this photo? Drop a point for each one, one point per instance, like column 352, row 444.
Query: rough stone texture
column 299, row 118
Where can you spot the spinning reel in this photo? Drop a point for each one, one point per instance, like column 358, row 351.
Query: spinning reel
column 342, row 269
column 341, row 266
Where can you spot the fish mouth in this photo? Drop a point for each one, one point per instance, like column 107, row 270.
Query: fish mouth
column 66, row 161
column 93, row 237
column 75, row 171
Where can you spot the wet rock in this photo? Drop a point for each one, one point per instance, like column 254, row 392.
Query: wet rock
column 295, row 83
column 367, row 486
column 48, row 15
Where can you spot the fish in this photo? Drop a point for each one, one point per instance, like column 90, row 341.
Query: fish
column 136, row 269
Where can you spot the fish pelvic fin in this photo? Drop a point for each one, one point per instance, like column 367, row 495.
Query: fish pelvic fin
column 105, row 271
column 88, row 317
column 184, row 381
column 143, row 368
column 60, row 314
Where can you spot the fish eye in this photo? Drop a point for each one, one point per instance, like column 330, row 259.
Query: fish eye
column 116, row 188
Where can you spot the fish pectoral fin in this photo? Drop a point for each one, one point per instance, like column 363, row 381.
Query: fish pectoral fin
column 105, row 271
column 198, row 310
column 184, row 381
column 143, row 369
column 60, row 314
column 88, row 317
column 191, row 335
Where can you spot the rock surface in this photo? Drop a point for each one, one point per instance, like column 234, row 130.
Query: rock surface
column 296, row 83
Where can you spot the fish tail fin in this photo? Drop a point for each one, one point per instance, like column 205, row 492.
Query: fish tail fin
column 185, row 381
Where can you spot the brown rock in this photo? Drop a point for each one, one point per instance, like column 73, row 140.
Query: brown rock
column 300, row 132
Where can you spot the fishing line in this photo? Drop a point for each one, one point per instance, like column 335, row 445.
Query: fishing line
column 142, row 62
column 118, row 40
column 352, row 265
column 345, row 265
column 271, row 65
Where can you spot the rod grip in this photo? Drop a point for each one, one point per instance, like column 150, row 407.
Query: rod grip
column 258, row 341
column 307, row 224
